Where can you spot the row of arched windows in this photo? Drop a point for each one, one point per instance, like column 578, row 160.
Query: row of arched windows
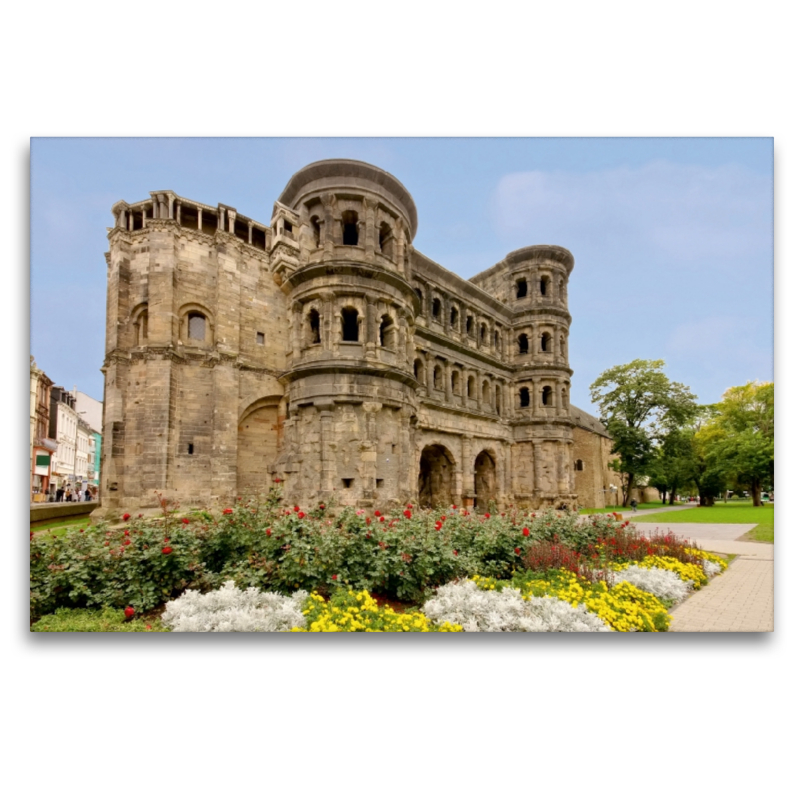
column 350, row 327
column 351, row 233
column 489, row 397
column 480, row 331
column 547, row 397
column 544, row 288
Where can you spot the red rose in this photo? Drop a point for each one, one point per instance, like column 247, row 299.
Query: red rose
column 407, row 514
column 185, row 521
column 409, row 506
column 140, row 516
column 227, row 511
column 166, row 538
column 129, row 612
column 382, row 519
column 148, row 627
column 80, row 530
column 297, row 508
column 31, row 535
column 368, row 520
column 126, row 517
column 335, row 577
column 367, row 536
column 377, row 513
column 127, row 541
column 526, row 532
column 300, row 514
column 486, row 516
column 453, row 507
column 455, row 552
column 322, row 506
column 269, row 531
column 517, row 550
column 166, row 550
column 438, row 525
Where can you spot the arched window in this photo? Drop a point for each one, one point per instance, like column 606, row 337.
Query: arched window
column 483, row 334
column 350, row 227
column 455, row 382
column 437, row 377
column 386, row 332
column 524, row 397
column 419, row 370
column 140, row 327
column 579, row 465
column 313, row 326
column 349, row 325
column 316, row 229
column 547, row 396
column 418, row 293
column 197, row 326
column 385, row 238
column 522, row 341
column 453, row 317
column 498, row 399
column 487, row 393
column 470, row 325
column 496, row 340
column 522, row 288
column 544, row 286
column 436, row 308
column 471, row 387
column 547, row 340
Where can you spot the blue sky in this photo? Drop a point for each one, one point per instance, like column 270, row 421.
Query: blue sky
column 672, row 237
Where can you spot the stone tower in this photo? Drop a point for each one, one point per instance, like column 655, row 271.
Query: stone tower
column 323, row 351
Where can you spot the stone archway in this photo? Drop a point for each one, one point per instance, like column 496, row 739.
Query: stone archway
column 436, row 485
column 257, row 448
column 485, row 480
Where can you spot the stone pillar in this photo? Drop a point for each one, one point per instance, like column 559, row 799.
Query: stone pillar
column 538, row 478
column 369, row 453
column 465, row 477
column 296, row 332
column 327, row 323
column 250, row 232
column 178, row 212
column 199, row 218
column 448, row 389
column 371, row 337
column 171, row 203
column 463, row 388
column 220, row 219
column 327, row 449
column 231, row 221
column 130, row 220
column 429, row 364
column 369, row 229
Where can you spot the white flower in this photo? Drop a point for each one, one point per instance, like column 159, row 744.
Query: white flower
column 230, row 609
column 663, row 583
column 711, row 568
column 463, row 603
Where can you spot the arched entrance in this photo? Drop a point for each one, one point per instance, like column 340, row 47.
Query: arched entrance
column 485, row 480
column 257, row 448
column 436, row 477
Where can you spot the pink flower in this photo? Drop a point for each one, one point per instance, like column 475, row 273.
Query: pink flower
column 126, row 517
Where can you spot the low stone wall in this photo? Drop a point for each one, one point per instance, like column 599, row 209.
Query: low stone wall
column 42, row 512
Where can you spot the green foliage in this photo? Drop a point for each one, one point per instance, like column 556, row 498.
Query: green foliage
column 639, row 405
column 105, row 620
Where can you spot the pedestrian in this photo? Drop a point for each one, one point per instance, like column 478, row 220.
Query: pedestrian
column 634, row 503
column 87, row 495
column 59, row 494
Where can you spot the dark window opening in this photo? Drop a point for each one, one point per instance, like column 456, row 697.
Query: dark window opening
column 418, row 293
column 471, row 387
column 386, row 332
column 378, row 483
column 496, row 340
column 483, row 334
column 497, row 399
column 437, row 377
column 544, row 286
column 385, row 238
column 522, row 341
column 487, row 397
column 547, row 396
column 287, row 226
column 141, row 328
column 350, row 228
column 524, row 397
column 191, row 449
column 259, row 338
column 470, row 324
column 316, row 229
column 347, row 482
column 455, row 382
column 579, row 465
column 349, row 325
column 436, row 308
column 546, row 342
column 418, row 369
column 197, row 327
column 453, row 317
column 522, row 288
column 313, row 326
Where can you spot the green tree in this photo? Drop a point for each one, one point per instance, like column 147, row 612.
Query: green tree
column 671, row 469
column 740, row 436
column 639, row 405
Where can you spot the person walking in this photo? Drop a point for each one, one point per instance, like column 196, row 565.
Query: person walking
column 634, row 504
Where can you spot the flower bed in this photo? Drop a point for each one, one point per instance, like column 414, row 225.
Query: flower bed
column 403, row 554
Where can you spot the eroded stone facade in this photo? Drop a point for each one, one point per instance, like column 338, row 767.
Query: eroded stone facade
column 323, row 351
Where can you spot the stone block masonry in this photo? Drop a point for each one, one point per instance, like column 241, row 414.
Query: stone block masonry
column 325, row 352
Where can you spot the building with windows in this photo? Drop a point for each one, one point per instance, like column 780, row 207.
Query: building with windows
column 64, row 431
column 324, row 352
column 42, row 447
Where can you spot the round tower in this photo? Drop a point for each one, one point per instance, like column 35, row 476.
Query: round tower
column 340, row 233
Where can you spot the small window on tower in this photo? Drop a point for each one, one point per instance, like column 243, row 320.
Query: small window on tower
column 259, row 338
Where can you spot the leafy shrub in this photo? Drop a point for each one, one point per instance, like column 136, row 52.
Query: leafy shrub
column 229, row 609
column 463, row 603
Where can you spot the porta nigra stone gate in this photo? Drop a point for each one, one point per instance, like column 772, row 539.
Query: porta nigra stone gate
column 323, row 351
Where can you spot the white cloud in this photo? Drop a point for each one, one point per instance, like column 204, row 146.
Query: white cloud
column 663, row 212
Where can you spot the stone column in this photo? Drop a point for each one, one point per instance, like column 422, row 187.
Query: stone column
column 178, row 212
column 448, row 389
column 463, row 388
column 327, row 323
column 369, row 229
column 296, row 332
column 429, row 364
column 327, row 442
column 371, row 337
column 220, row 219
column 231, row 221
column 538, row 479
column 465, row 477
column 250, row 232
column 369, row 453
column 199, row 218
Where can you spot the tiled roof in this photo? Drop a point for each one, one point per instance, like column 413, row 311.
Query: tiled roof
column 585, row 420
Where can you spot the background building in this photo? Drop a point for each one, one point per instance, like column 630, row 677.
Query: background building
column 42, row 447
column 324, row 352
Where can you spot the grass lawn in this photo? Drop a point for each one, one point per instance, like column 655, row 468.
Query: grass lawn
column 73, row 522
column 609, row 509
column 733, row 513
